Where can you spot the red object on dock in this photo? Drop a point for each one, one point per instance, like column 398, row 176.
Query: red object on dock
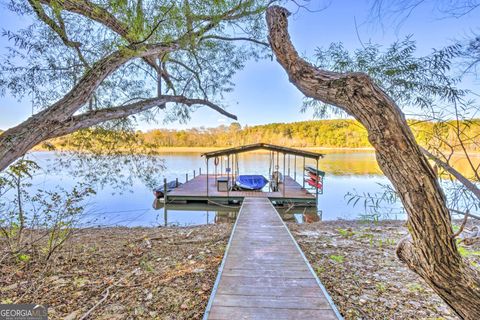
column 314, row 177
column 316, row 184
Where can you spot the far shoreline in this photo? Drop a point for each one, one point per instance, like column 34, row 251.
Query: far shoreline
column 209, row 149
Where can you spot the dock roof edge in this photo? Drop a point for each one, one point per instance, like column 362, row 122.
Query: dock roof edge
column 265, row 146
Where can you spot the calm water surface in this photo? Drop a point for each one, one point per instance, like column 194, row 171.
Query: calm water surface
column 345, row 172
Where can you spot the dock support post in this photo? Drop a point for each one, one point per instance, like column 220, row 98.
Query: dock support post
column 176, row 182
column 228, row 178
column 207, row 185
column 199, row 171
column 288, row 165
column 316, row 186
column 165, row 215
column 284, row 187
column 303, row 170
column 295, row 167
column 193, row 174
column 186, row 177
column 165, row 190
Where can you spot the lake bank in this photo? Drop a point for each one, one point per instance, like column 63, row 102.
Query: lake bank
column 155, row 273
column 168, row 273
column 357, row 264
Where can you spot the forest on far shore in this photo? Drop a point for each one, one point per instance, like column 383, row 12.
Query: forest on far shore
column 339, row 133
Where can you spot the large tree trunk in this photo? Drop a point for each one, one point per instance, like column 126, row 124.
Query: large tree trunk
column 432, row 251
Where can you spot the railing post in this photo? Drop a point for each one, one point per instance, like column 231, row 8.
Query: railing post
column 284, row 187
column 289, row 165
column 303, row 170
column 207, row 188
column 316, row 185
column 165, row 189
column 295, row 168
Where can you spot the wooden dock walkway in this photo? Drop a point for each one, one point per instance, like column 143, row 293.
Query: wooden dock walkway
column 264, row 274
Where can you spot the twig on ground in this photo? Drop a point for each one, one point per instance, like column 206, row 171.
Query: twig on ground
column 106, row 293
column 105, row 296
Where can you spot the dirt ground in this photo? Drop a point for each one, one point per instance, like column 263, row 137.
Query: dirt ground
column 356, row 262
column 168, row 273
column 123, row 273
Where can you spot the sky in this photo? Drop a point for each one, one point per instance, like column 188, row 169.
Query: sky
column 262, row 91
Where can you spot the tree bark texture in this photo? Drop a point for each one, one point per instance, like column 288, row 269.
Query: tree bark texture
column 431, row 252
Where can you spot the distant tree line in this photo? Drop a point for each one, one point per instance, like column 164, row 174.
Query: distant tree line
column 343, row 133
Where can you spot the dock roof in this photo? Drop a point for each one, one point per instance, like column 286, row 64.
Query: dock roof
column 264, row 146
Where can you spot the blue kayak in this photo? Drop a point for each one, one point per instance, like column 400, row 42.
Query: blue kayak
column 251, row 182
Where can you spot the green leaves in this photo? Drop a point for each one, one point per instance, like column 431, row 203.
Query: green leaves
column 410, row 80
column 23, row 168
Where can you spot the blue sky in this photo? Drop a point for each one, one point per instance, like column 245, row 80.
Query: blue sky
column 263, row 93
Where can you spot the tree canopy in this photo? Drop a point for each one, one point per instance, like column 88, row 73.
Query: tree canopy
column 88, row 62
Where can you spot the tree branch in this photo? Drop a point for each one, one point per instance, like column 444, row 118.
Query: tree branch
column 95, row 12
column 99, row 14
column 95, row 117
column 58, row 29
column 80, row 94
column 216, row 37
column 462, row 179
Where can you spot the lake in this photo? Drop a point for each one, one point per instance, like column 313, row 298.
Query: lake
column 346, row 172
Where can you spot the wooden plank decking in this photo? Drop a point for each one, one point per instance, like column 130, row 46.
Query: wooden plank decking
column 264, row 274
column 197, row 188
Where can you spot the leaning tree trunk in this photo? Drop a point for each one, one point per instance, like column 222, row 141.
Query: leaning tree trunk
column 432, row 251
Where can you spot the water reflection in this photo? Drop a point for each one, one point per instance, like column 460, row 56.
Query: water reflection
column 347, row 171
column 300, row 214
column 199, row 213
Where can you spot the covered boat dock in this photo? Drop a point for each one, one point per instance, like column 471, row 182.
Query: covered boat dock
column 218, row 185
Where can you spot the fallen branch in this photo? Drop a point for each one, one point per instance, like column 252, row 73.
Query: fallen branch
column 106, row 292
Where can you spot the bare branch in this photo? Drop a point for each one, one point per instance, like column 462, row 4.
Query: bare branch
column 95, row 117
column 463, row 180
column 235, row 39
column 465, row 213
column 462, row 226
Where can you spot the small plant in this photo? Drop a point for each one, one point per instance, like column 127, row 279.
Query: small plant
column 415, row 287
column 367, row 236
column 146, row 265
column 346, row 233
column 337, row 259
column 390, row 242
column 465, row 252
column 319, row 269
column 22, row 257
column 381, row 287
column 380, row 243
column 79, row 282
column 47, row 217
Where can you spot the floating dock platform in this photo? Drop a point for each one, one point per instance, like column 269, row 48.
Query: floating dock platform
column 195, row 190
